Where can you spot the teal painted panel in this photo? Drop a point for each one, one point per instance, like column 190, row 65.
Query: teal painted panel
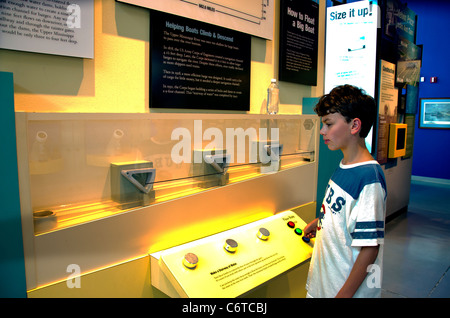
column 328, row 160
column 12, row 264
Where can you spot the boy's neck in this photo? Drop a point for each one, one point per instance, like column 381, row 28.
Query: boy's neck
column 356, row 153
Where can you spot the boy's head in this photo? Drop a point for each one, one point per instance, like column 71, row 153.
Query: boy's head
column 351, row 102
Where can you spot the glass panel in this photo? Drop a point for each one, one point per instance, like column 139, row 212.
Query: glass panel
column 87, row 167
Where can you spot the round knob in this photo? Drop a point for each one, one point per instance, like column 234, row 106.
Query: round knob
column 263, row 234
column 230, row 245
column 190, row 260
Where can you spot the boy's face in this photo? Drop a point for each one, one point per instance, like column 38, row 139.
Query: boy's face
column 335, row 131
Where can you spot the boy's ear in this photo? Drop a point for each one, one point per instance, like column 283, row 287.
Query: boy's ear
column 356, row 126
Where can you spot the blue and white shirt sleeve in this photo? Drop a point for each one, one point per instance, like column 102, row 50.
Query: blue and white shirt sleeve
column 366, row 226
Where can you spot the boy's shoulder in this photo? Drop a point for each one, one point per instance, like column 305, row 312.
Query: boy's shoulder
column 353, row 178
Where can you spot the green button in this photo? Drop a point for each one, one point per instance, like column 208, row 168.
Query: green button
column 298, row 231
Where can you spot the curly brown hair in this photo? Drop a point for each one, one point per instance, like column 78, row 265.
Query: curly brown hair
column 351, row 102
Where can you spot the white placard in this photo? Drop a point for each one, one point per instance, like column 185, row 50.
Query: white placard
column 351, row 45
column 351, row 48
column 253, row 17
column 51, row 26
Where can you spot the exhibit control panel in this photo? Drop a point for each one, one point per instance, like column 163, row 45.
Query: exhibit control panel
column 233, row 262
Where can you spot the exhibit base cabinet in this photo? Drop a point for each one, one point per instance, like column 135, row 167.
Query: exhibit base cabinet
column 207, row 268
column 166, row 205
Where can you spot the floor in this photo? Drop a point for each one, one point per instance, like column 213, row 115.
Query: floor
column 417, row 246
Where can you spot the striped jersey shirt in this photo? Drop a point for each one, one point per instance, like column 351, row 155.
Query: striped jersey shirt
column 352, row 216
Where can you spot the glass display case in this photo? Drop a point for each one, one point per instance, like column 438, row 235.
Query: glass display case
column 84, row 167
column 104, row 189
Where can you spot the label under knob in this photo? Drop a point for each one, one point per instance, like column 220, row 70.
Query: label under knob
column 263, row 234
column 230, row 245
column 190, row 260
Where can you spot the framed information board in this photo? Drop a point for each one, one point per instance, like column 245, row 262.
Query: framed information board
column 299, row 41
column 434, row 113
column 254, row 17
column 195, row 65
column 50, row 27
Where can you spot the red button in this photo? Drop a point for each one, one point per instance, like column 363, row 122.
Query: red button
column 291, row 224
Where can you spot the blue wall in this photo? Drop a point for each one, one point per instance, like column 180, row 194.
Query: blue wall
column 431, row 151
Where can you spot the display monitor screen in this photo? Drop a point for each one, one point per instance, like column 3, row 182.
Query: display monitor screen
column 401, row 138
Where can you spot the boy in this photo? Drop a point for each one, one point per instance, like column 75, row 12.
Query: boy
column 350, row 229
